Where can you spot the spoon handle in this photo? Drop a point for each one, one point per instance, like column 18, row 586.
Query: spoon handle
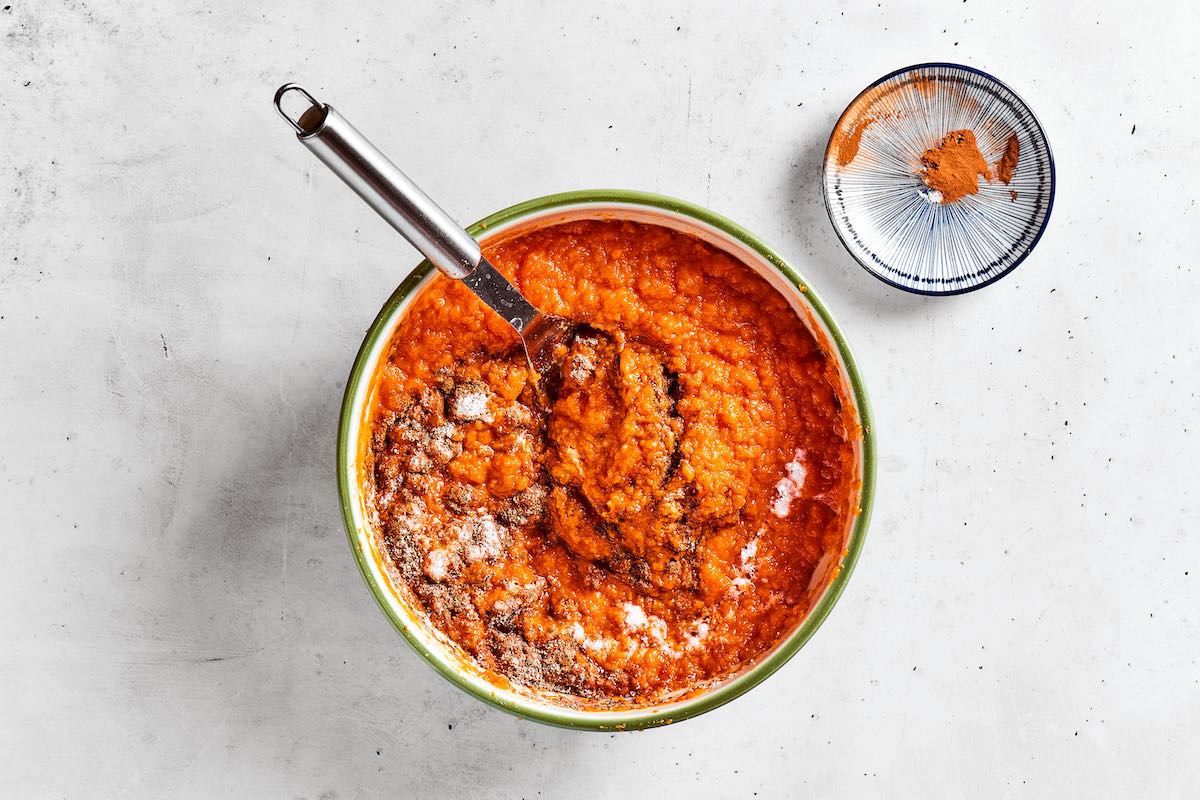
column 375, row 179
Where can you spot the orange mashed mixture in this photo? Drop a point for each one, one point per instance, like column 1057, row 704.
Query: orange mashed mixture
column 664, row 518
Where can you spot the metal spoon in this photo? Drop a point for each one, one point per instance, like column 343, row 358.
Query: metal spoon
column 367, row 171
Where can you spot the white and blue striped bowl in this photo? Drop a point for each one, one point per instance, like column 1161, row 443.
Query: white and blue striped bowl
column 882, row 210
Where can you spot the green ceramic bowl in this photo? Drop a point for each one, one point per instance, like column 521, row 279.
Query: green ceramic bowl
column 602, row 204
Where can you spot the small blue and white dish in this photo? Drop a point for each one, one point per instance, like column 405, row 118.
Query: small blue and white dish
column 894, row 224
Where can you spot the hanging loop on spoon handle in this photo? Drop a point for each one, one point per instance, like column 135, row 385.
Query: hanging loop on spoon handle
column 394, row 196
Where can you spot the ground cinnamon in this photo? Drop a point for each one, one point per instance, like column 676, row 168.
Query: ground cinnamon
column 1008, row 162
column 926, row 86
column 848, row 139
column 953, row 168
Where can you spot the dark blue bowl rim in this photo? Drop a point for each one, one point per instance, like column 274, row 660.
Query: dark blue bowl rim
column 1049, row 203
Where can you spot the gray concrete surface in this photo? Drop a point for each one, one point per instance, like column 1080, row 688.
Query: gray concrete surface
column 182, row 290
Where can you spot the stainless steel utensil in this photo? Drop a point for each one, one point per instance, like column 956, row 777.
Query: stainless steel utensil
column 367, row 171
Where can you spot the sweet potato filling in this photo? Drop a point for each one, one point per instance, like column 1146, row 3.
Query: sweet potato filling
column 662, row 516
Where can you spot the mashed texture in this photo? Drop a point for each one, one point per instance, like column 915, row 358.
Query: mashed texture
column 628, row 539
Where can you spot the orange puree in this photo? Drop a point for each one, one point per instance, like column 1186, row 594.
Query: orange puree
column 660, row 521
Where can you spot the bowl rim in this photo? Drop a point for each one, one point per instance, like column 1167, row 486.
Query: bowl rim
column 1049, row 201
column 631, row 719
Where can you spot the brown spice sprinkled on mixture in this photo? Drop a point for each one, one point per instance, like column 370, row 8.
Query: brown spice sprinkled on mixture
column 665, row 519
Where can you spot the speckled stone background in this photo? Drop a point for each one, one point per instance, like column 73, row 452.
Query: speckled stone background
column 182, row 289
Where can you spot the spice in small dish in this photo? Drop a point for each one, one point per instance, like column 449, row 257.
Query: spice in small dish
column 848, row 140
column 1008, row 162
column 938, row 179
column 952, row 169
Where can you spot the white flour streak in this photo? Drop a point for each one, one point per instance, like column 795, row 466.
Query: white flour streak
column 748, row 554
column 437, row 565
column 696, row 638
column 788, row 488
column 472, row 405
column 635, row 617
